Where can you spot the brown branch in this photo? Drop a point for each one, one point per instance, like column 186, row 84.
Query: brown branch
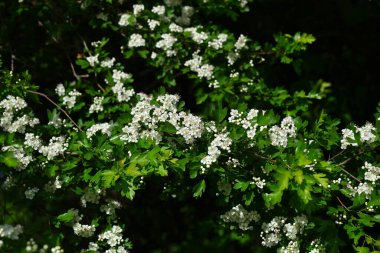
column 342, row 204
column 101, row 88
column 74, row 72
column 348, row 173
column 335, row 156
column 12, row 62
column 55, row 104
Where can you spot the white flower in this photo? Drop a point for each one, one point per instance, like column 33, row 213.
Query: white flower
column 202, row 70
column 97, row 105
column 364, row 188
column 104, row 128
column 218, row 42
column 137, row 8
column 119, row 76
column 31, row 192
column 112, row 236
column 366, row 134
column 153, row 24
column 124, row 19
column 372, row 173
column 279, row 134
column 84, row 230
column 220, row 141
column 57, row 249
column 159, row 10
column 91, row 196
column 20, row 155
column 70, row 99
column 348, row 138
column 292, row 247
column 241, row 42
column 198, row 37
column 166, row 43
column 136, row 40
column 175, row 28
column 33, row 141
column 241, row 216
column 108, row 63
column 10, row 232
column 260, row 183
column 60, row 90
column 9, row 122
column 92, row 60
column 57, row 146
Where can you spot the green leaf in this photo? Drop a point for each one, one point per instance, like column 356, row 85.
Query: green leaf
column 362, row 250
column 220, row 112
column 109, row 177
column 66, row 217
column 132, row 170
column 82, row 63
column 9, row 160
column 320, row 177
column 199, row 189
column 241, row 185
column 304, row 194
column 298, row 176
column 271, row 199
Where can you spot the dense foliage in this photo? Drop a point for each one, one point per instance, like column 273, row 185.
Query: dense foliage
column 111, row 159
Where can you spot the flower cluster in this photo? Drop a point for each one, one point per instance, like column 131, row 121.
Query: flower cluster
column 114, row 239
column 57, row 249
column 147, row 116
column 136, row 40
column 9, row 122
column 104, row 128
column 97, row 105
column 166, row 43
column 10, row 232
column 70, row 99
column 221, row 141
column 202, row 70
column 83, row 230
column 371, row 175
column 91, row 196
column 123, row 94
column 31, row 192
column 240, row 216
column 279, row 134
column 365, row 132
column 20, row 155
column 57, row 146
column 272, row 232
column 237, row 118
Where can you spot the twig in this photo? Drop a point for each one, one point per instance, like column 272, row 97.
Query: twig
column 74, row 72
column 335, row 156
column 60, row 108
column 348, row 173
column 345, row 161
column 51, row 35
column 101, row 88
column 342, row 204
column 12, row 62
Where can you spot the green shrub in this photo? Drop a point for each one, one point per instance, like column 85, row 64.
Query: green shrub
column 110, row 154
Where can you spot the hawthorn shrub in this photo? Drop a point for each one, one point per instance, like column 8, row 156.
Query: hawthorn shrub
column 107, row 162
